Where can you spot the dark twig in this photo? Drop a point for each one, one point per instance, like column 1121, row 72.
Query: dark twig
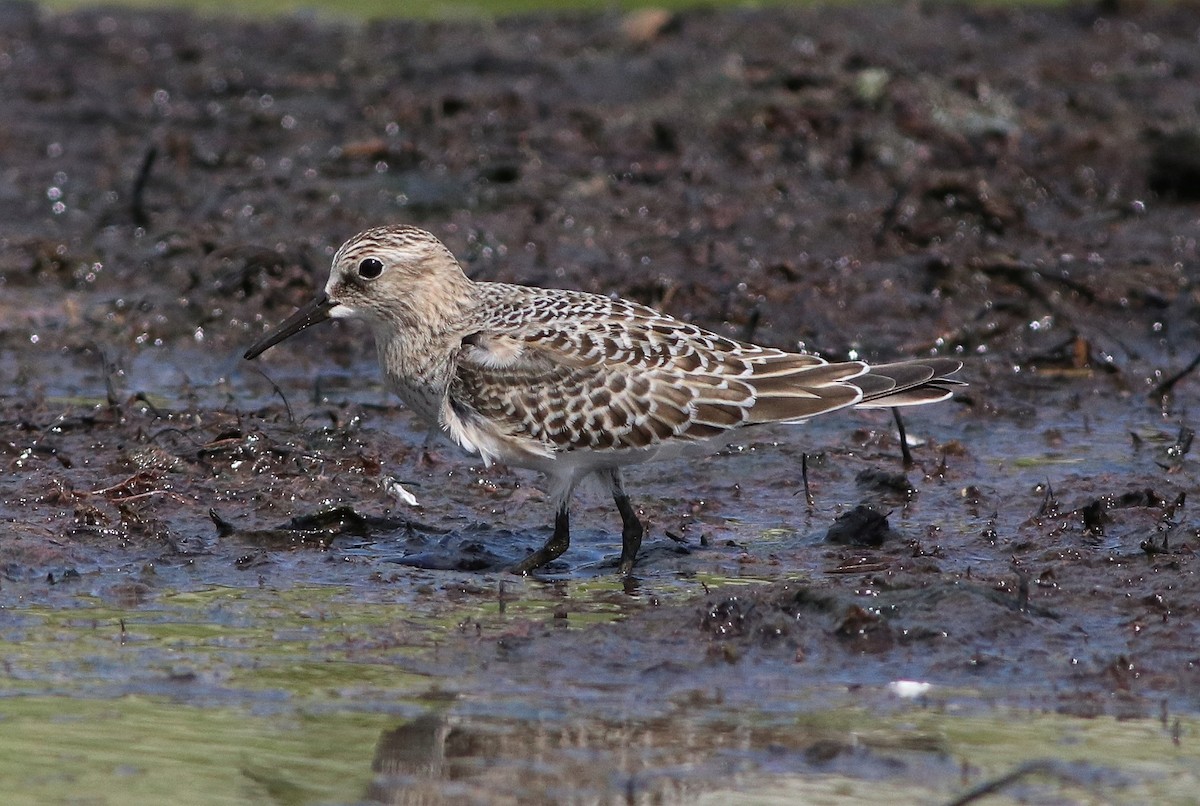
column 282, row 396
column 1048, row 504
column 1182, row 444
column 137, row 206
column 1165, row 386
column 173, row 430
column 224, row 527
column 808, row 498
column 1022, row 588
column 1176, row 505
column 904, row 451
column 140, row 397
column 109, row 390
column 1040, row 767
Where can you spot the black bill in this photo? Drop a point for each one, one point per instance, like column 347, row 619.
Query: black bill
column 313, row 313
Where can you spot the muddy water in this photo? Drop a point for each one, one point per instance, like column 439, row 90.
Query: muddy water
column 207, row 596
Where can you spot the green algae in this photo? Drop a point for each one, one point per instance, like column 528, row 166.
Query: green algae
column 303, row 641
column 1067, row 759
column 136, row 750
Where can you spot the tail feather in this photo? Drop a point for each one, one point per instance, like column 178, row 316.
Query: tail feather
column 808, row 391
column 908, row 383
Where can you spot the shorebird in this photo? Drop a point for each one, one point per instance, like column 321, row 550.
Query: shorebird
column 570, row 383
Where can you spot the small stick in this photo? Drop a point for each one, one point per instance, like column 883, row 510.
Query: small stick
column 804, row 475
column 1047, row 502
column 109, row 390
column 179, row 498
column 278, row 391
column 124, row 483
column 140, row 397
column 136, row 202
column 1036, row 767
column 1164, row 388
column 1022, row 588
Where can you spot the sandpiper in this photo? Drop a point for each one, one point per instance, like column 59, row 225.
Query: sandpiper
column 571, row 383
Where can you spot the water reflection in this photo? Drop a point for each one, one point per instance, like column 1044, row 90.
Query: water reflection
column 437, row 759
column 446, row 757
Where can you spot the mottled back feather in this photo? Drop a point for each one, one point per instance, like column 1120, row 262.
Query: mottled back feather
column 574, row 370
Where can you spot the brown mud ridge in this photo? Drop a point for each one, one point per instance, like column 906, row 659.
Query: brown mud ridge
column 1018, row 187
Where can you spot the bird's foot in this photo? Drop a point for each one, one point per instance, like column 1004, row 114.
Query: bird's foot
column 554, row 547
column 631, row 543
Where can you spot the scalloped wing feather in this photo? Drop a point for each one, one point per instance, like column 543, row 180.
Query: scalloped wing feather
column 575, row 370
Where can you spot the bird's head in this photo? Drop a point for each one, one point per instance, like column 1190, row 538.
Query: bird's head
column 396, row 278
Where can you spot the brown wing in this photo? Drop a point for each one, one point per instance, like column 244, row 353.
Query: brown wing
column 580, row 371
column 576, row 407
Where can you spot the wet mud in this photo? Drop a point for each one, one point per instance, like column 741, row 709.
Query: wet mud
column 1015, row 187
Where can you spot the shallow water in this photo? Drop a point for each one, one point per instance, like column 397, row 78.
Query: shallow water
column 324, row 694
column 331, row 694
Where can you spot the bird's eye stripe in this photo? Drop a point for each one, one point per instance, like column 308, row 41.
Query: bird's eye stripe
column 370, row 268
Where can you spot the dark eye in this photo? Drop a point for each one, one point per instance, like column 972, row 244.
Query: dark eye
column 370, row 268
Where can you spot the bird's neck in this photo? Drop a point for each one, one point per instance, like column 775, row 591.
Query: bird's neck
column 417, row 349
column 419, row 340
column 418, row 368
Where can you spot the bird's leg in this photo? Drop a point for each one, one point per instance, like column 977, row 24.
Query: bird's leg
column 632, row 529
column 428, row 456
column 905, row 453
column 555, row 546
